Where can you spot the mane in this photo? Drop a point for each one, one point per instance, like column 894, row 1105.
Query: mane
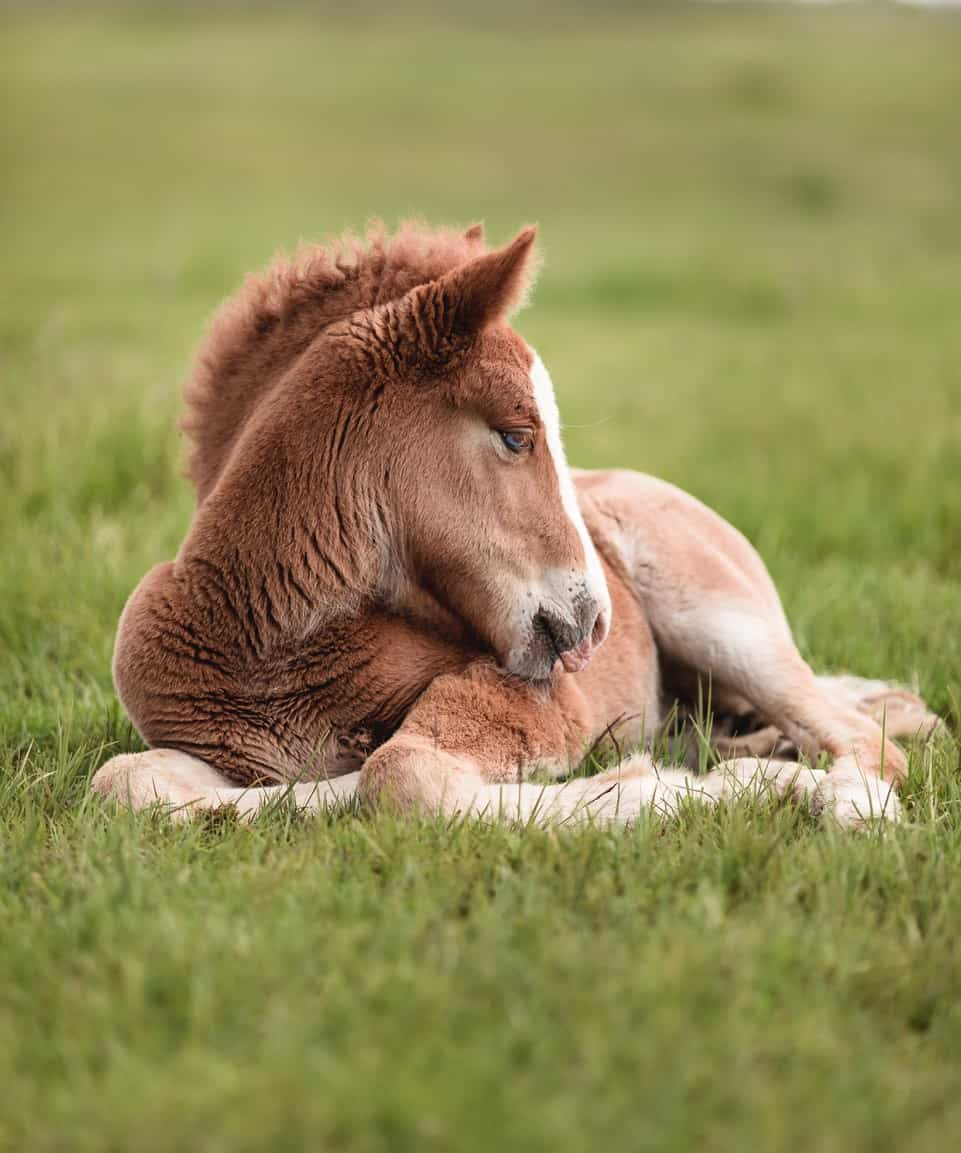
column 258, row 332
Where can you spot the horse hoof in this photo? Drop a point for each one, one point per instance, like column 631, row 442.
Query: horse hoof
column 858, row 802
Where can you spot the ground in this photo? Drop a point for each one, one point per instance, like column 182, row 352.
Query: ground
column 752, row 228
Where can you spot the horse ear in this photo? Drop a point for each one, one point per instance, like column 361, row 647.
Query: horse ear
column 429, row 321
column 475, row 232
column 488, row 288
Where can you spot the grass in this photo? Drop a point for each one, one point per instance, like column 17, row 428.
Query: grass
column 752, row 222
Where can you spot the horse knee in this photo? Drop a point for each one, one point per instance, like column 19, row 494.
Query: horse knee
column 409, row 773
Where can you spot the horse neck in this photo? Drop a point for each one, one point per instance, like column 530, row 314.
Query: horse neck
column 282, row 534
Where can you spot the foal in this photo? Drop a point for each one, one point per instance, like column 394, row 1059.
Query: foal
column 394, row 588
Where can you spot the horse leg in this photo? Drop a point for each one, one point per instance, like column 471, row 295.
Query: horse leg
column 666, row 788
column 713, row 608
column 901, row 712
column 466, row 750
column 183, row 785
column 472, row 741
column 470, row 744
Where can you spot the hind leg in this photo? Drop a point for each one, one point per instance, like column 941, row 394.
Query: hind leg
column 714, row 609
column 183, row 786
column 901, row 712
column 741, row 646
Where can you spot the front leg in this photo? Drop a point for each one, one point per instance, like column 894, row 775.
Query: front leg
column 473, row 739
column 182, row 786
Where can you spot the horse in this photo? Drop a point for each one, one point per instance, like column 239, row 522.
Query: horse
column 395, row 592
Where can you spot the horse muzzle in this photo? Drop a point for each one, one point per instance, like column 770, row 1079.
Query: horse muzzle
column 560, row 640
column 572, row 660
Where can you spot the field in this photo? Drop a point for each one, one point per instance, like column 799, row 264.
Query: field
column 752, row 229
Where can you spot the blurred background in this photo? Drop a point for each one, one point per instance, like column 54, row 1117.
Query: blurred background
column 751, row 222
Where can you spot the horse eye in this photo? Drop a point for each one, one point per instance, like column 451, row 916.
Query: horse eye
column 518, row 440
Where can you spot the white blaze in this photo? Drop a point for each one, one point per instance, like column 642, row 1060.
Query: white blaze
column 547, row 408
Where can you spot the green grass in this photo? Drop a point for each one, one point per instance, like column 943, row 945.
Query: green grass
column 752, row 225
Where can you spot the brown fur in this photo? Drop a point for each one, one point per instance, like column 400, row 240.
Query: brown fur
column 260, row 331
column 274, row 626
column 352, row 586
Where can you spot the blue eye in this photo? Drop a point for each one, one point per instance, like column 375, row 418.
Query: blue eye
column 517, row 440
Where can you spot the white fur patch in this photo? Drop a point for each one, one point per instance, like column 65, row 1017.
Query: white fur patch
column 550, row 417
column 858, row 801
column 181, row 785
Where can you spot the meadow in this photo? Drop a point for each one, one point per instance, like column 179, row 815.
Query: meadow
column 751, row 222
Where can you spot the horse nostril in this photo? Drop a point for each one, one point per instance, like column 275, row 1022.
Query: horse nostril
column 602, row 626
column 561, row 635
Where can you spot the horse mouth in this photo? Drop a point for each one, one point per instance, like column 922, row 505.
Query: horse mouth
column 558, row 645
column 578, row 658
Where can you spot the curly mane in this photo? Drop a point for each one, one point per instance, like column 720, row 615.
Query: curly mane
column 260, row 330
